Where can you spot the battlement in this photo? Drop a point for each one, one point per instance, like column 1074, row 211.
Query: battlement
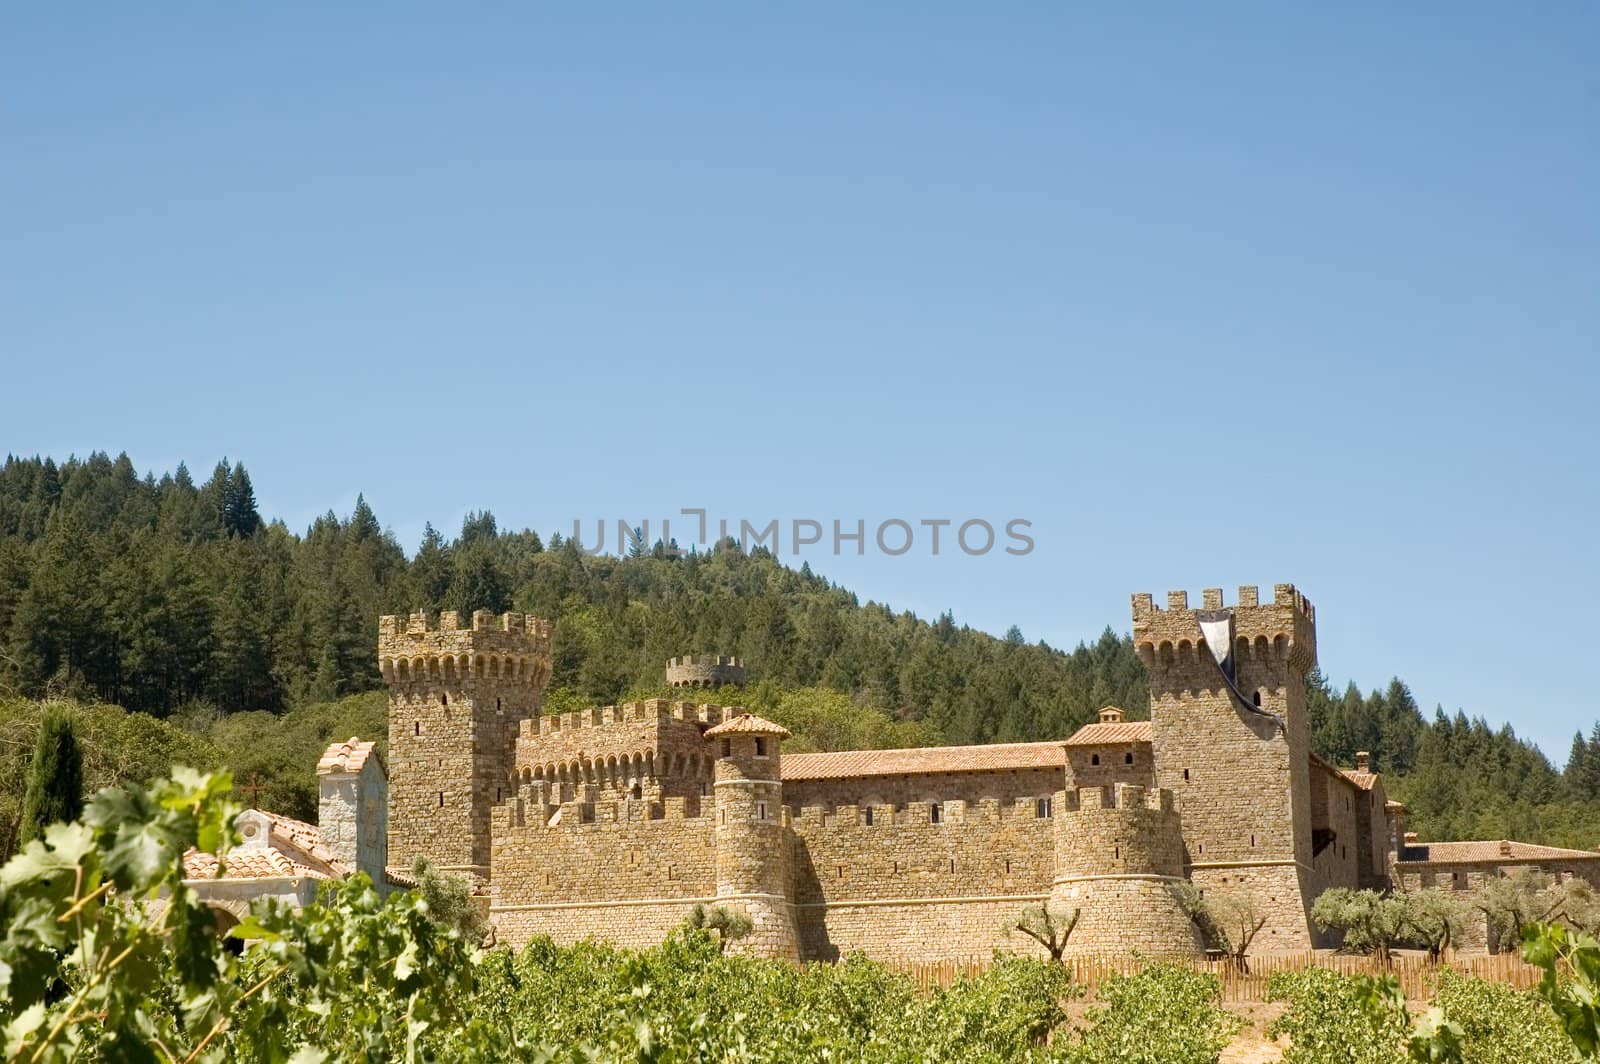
column 1119, row 796
column 705, row 670
column 422, row 622
column 1283, row 629
column 657, row 710
column 535, row 807
column 420, row 648
column 914, row 814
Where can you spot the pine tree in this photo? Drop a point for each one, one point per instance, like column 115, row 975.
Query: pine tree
column 55, row 781
column 239, row 513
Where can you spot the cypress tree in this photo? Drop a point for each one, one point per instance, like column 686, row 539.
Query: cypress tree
column 55, row 781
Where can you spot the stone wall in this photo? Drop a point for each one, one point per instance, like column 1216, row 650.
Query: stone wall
column 905, row 887
column 1005, row 786
column 1108, row 764
column 623, row 870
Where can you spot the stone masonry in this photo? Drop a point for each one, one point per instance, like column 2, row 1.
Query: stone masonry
column 614, row 822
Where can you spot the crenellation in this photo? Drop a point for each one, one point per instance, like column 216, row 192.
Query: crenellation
column 616, row 820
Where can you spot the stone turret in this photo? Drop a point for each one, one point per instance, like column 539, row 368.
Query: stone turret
column 704, row 671
column 456, row 698
column 1119, row 865
column 1237, row 756
column 752, row 840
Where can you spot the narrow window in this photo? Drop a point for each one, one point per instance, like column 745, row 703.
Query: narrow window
column 1127, row 759
column 935, row 812
column 761, row 747
column 1041, row 808
column 1258, row 699
column 1008, row 866
column 441, row 799
column 952, row 866
column 724, row 816
column 897, row 868
column 1186, row 775
column 497, row 794
column 869, row 816
column 1094, row 759
column 841, row 871
column 761, row 810
column 444, row 700
column 1252, row 840
column 497, row 705
column 416, row 727
column 1116, row 851
column 727, row 748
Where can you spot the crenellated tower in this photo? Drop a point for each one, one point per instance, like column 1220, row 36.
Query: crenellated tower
column 1119, row 866
column 1231, row 741
column 752, row 840
column 456, row 698
column 705, row 670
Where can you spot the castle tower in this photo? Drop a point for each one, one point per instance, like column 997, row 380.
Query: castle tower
column 704, row 671
column 456, row 698
column 752, row 841
column 1119, row 866
column 1237, row 755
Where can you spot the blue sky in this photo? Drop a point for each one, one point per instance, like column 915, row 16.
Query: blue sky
column 1211, row 296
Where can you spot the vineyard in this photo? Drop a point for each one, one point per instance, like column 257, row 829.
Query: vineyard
column 1417, row 977
column 107, row 955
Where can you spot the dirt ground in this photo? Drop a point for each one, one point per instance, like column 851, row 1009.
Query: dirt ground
column 1252, row 1046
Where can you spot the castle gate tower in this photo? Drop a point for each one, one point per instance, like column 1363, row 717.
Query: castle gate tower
column 752, row 841
column 1231, row 741
column 1119, row 867
column 456, row 698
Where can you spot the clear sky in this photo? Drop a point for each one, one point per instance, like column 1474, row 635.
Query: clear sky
column 1212, row 294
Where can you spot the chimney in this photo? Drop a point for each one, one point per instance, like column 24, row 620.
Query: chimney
column 353, row 808
column 1411, row 838
column 1505, row 848
column 1111, row 715
column 1363, row 761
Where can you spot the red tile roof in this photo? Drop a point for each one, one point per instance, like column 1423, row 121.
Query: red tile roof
column 292, row 848
column 1120, row 733
column 995, row 757
column 348, row 756
column 1489, row 851
column 747, row 724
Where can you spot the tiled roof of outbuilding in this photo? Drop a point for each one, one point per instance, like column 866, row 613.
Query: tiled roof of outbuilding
column 994, row 757
column 1489, row 851
column 1131, row 731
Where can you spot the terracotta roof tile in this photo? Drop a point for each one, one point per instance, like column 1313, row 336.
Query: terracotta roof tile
column 747, row 724
column 348, row 756
column 1132, row 731
column 995, row 757
column 1489, row 851
column 262, row 863
column 1364, row 780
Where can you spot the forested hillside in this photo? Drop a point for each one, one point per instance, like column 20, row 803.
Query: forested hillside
column 177, row 599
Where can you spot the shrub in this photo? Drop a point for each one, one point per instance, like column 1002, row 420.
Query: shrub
column 1166, row 1014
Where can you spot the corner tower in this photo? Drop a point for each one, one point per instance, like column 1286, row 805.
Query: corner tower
column 752, row 840
column 456, row 698
column 1119, row 867
column 1231, row 741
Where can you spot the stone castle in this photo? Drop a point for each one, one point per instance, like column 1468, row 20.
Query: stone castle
column 614, row 822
